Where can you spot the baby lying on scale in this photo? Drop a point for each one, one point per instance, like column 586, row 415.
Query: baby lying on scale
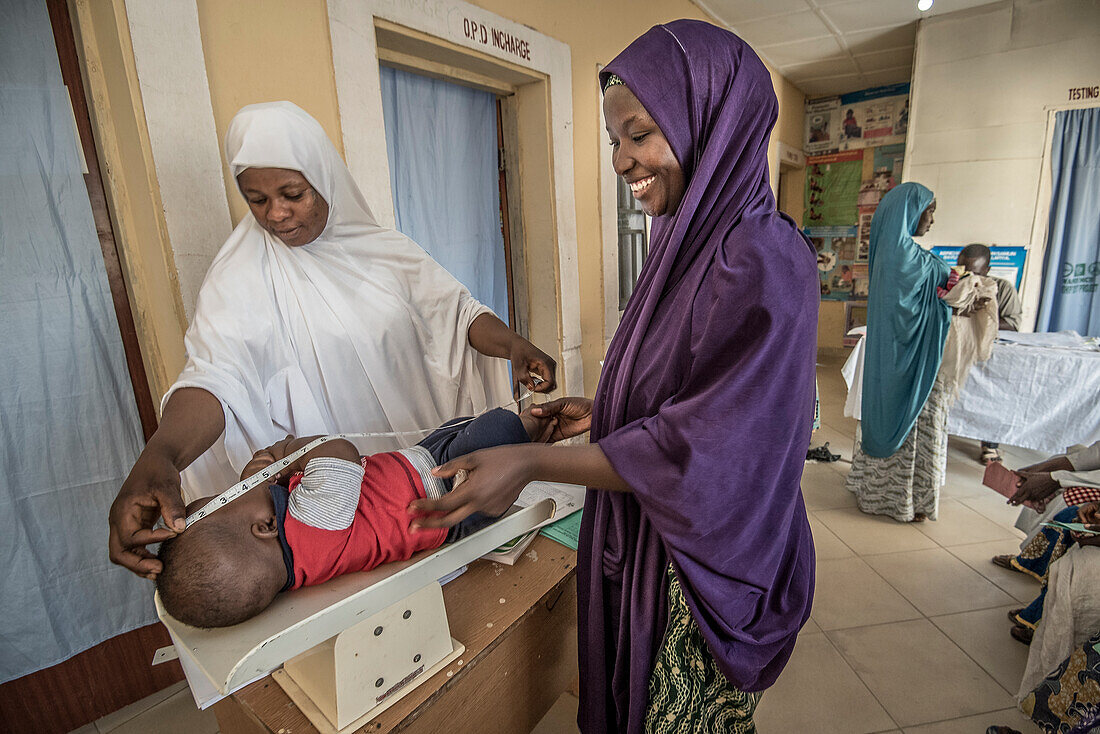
column 339, row 513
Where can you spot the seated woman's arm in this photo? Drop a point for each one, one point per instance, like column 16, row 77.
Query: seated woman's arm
column 192, row 420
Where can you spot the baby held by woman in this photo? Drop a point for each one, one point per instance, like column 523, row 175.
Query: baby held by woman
column 338, row 513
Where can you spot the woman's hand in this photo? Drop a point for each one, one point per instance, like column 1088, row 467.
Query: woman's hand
column 1088, row 515
column 151, row 490
column 492, row 337
column 526, row 359
column 191, row 422
column 574, row 416
column 1036, row 487
column 494, row 479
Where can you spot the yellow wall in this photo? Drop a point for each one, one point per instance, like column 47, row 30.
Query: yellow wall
column 265, row 51
column 118, row 120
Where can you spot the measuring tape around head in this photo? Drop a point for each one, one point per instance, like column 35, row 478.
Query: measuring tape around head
column 272, row 470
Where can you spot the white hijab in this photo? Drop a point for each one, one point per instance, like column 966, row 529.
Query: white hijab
column 358, row 331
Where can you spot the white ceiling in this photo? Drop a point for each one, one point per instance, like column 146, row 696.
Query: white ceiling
column 827, row 47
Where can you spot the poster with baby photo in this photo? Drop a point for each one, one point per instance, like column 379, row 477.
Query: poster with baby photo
column 875, row 116
column 835, row 248
column 860, row 280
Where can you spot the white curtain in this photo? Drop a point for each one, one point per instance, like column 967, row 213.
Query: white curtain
column 69, row 428
column 441, row 141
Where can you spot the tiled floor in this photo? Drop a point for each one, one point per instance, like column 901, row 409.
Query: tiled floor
column 908, row 631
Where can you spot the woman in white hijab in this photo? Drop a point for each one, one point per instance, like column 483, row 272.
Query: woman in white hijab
column 312, row 319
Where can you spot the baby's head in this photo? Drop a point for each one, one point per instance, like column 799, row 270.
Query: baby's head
column 225, row 568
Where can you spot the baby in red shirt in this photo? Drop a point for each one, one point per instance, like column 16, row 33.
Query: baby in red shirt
column 339, row 513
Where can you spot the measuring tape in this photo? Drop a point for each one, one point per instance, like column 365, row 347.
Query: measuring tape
column 272, row 470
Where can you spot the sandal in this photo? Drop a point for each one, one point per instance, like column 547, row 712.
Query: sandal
column 822, row 453
column 1013, row 613
column 1022, row 634
column 990, row 455
column 1004, row 561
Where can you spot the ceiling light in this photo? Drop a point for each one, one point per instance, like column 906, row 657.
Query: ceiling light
column 923, row 5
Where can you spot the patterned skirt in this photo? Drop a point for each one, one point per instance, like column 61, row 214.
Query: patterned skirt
column 687, row 692
column 1048, row 545
column 1068, row 701
column 907, row 482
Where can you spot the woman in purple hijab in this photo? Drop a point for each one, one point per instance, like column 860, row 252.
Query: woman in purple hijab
column 696, row 563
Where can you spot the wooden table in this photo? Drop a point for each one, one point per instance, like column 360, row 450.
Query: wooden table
column 519, row 626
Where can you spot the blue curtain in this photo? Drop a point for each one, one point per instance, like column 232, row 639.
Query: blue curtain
column 442, row 145
column 1071, row 270
column 69, row 428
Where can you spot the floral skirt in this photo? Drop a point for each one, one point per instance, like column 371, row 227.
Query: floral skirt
column 1048, row 545
column 687, row 692
column 1069, row 699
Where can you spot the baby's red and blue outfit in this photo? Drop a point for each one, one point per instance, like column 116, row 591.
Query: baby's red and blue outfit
column 337, row 516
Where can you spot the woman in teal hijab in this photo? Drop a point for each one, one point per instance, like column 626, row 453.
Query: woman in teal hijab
column 901, row 458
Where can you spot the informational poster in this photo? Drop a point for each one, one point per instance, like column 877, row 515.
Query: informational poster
column 866, row 214
column 887, row 166
column 832, row 189
column 871, row 117
column 1004, row 262
column 855, row 314
column 837, row 251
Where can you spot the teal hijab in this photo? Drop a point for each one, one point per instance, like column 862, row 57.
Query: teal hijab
column 906, row 321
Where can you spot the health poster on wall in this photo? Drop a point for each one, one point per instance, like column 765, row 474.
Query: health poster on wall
column 871, row 117
column 832, row 189
column 837, row 250
column 1004, row 262
column 887, row 166
column 866, row 214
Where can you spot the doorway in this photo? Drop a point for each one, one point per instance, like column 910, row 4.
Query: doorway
column 445, row 146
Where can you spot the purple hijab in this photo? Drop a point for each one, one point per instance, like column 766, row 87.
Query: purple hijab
column 706, row 400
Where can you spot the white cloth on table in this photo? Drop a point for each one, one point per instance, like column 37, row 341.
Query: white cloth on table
column 1036, row 397
column 357, row 331
column 1060, row 339
column 1071, row 614
column 852, row 371
column 1041, row 398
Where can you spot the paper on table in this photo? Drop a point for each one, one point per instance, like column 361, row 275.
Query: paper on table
column 568, row 498
column 566, row 531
